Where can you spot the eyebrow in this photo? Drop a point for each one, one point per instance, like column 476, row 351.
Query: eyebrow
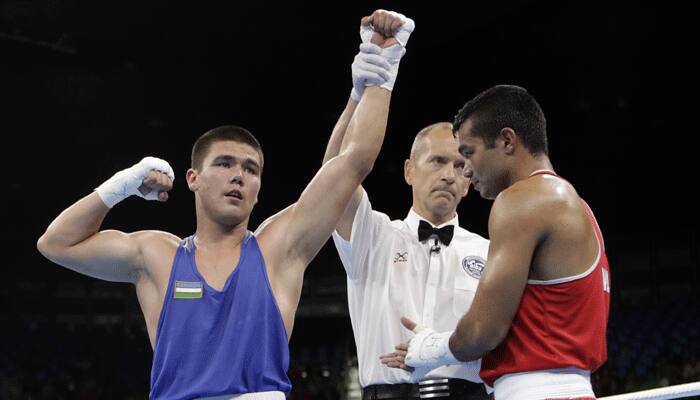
column 226, row 157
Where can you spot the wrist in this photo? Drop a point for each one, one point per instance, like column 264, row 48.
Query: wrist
column 355, row 94
column 369, row 68
column 127, row 182
column 430, row 349
column 449, row 354
column 117, row 188
column 393, row 56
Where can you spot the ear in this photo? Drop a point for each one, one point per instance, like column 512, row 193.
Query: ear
column 191, row 177
column 256, row 194
column 466, row 189
column 510, row 140
column 408, row 172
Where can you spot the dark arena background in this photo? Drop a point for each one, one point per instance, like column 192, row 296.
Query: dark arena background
column 89, row 88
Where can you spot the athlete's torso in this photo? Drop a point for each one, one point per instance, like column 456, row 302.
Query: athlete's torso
column 560, row 322
column 212, row 342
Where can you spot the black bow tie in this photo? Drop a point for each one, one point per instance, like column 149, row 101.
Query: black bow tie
column 445, row 234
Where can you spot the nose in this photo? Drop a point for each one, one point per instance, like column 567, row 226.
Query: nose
column 448, row 174
column 237, row 177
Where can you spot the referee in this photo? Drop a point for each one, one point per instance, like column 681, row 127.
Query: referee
column 424, row 267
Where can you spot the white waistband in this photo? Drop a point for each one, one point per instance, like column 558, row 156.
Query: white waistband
column 538, row 385
column 248, row 396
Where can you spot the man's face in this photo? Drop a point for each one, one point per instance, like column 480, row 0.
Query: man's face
column 487, row 177
column 229, row 181
column 437, row 174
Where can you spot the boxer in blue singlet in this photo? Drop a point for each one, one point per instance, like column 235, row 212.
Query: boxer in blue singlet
column 219, row 305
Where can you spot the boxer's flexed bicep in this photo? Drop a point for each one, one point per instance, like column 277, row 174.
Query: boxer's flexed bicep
column 74, row 239
column 108, row 255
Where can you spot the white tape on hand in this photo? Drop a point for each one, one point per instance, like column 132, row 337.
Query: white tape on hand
column 368, row 69
column 429, row 349
column 126, row 182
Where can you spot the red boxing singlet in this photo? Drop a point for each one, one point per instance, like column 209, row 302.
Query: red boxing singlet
column 560, row 323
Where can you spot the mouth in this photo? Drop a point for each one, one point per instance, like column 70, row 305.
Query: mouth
column 234, row 194
column 444, row 191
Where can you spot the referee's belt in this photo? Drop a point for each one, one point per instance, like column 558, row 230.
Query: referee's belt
column 428, row 389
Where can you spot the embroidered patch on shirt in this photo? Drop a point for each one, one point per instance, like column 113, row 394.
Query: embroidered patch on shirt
column 188, row 290
column 401, row 257
column 474, row 266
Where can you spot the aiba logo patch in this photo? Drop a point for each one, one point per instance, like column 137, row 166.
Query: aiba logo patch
column 401, row 257
column 474, row 266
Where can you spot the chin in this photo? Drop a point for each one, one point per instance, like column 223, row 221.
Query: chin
column 231, row 218
column 443, row 208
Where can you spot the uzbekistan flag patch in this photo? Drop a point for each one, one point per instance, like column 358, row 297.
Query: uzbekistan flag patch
column 188, row 290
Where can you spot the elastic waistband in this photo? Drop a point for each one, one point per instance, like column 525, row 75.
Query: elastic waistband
column 248, row 396
column 547, row 384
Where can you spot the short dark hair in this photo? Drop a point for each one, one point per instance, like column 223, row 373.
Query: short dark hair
column 227, row 132
column 506, row 106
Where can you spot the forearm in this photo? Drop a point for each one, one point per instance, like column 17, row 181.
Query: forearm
column 150, row 178
column 470, row 341
column 365, row 132
column 75, row 224
column 334, row 144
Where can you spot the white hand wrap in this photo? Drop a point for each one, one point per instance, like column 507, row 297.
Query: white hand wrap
column 368, row 69
column 394, row 53
column 126, row 182
column 402, row 33
column 430, row 349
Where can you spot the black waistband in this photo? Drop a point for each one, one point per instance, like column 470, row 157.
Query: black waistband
column 439, row 389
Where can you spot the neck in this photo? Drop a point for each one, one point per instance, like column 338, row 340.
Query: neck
column 218, row 236
column 530, row 165
column 215, row 233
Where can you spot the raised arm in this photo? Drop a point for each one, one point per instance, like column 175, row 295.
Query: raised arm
column 333, row 148
column 335, row 142
column 326, row 198
column 369, row 68
column 74, row 241
column 320, row 207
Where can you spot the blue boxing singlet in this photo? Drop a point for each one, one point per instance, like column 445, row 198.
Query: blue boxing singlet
column 213, row 343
